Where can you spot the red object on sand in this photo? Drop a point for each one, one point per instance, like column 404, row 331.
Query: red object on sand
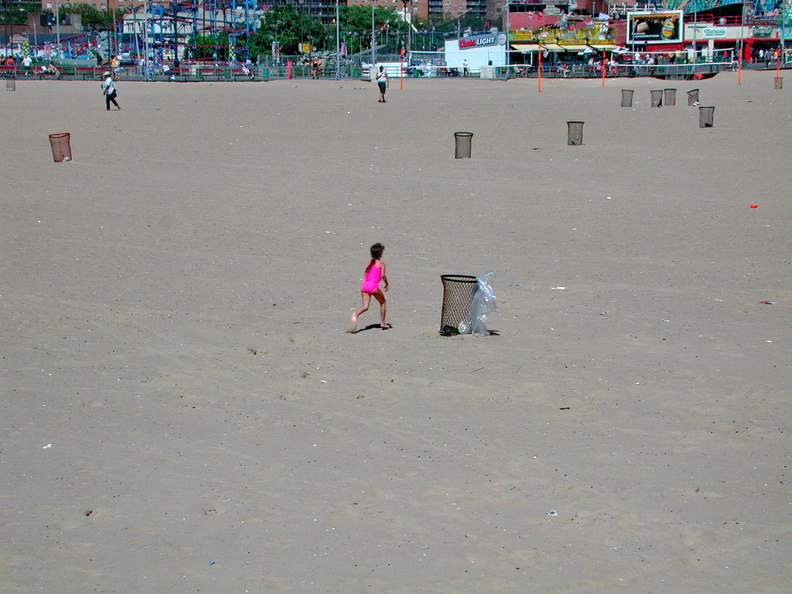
column 754, row 206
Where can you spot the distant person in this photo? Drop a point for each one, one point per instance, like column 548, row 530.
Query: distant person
column 109, row 90
column 26, row 64
column 384, row 82
column 464, row 68
column 375, row 273
column 52, row 69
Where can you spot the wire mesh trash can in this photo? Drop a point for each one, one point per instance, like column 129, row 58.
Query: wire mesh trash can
column 462, row 144
column 61, row 147
column 669, row 96
column 706, row 116
column 10, row 84
column 779, row 82
column 458, row 292
column 657, row 97
column 574, row 133
column 627, row 97
column 693, row 97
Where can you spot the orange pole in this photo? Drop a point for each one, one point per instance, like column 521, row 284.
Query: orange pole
column 603, row 68
column 539, row 79
column 401, row 69
column 778, row 63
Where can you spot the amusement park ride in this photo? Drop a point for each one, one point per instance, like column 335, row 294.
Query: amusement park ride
column 160, row 28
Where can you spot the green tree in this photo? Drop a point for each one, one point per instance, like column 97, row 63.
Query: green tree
column 287, row 25
column 290, row 26
column 358, row 18
column 16, row 13
column 204, row 47
column 355, row 24
column 91, row 18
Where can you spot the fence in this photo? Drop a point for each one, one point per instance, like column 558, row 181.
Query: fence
column 670, row 71
column 355, row 69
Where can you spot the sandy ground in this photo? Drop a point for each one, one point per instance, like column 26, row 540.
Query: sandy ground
column 183, row 412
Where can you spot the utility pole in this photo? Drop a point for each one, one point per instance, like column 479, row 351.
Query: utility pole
column 338, row 43
column 407, row 26
column 57, row 28
column 373, row 39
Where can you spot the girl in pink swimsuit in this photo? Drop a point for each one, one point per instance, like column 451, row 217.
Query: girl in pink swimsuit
column 375, row 272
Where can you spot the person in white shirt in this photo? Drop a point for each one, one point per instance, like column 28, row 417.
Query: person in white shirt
column 383, row 82
column 109, row 91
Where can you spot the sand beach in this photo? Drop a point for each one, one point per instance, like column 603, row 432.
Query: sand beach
column 183, row 411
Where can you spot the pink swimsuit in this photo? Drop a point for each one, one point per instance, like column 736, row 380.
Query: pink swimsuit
column 372, row 280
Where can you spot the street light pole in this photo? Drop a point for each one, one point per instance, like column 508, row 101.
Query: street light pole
column 695, row 39
column 742, row 44
column 508, row 25
column 146, row 71
column 407, row 26
column 7, row 23
column 175, row 7
column 57, row 28
column 338, row 43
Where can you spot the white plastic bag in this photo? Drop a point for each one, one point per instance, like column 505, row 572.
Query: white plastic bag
column 484, row 301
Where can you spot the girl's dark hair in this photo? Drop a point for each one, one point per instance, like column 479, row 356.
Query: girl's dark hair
column 376, row 254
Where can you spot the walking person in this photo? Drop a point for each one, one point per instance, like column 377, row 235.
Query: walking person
column 370, row 287
column 109, row 91
column 384, row 82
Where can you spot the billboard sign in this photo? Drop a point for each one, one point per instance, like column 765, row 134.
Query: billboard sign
column 475, row 41
column 654, row 27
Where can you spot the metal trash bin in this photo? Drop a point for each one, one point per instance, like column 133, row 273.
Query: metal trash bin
column 669, row 96
column 693, row 97
column 779, row 82
column 574, row 133
column 657, row 97
column 627, row 97
column 706, row 116
column 458, row 292
column 462, row 144
column 10, row 84
column 61, row 147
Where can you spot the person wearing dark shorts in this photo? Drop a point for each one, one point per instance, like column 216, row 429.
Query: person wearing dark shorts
column 109, row 91
column 383, row 82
